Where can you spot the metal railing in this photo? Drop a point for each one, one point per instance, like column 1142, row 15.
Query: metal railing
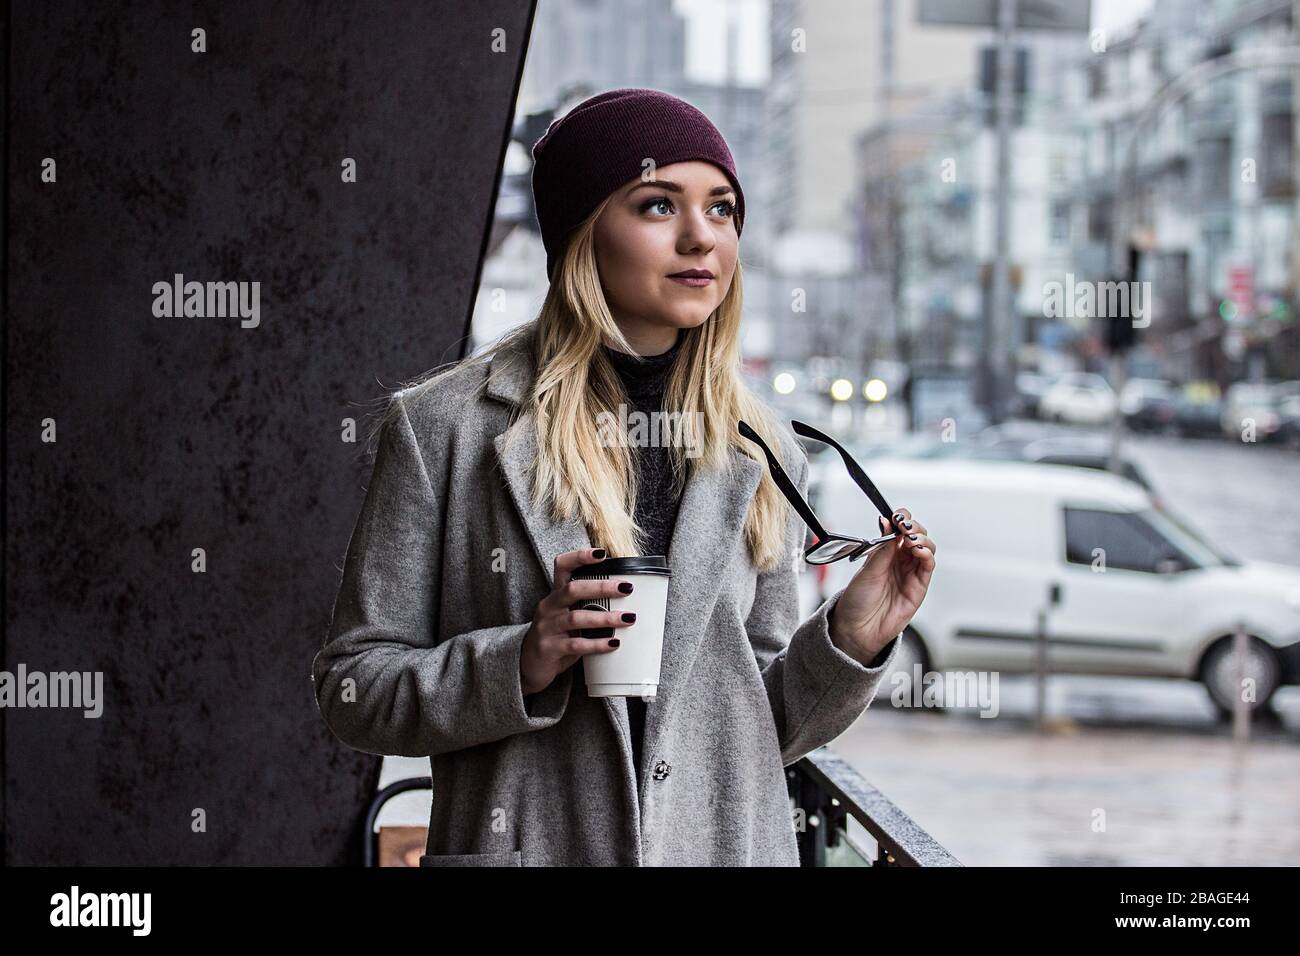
column 370, row 851
column 826, row 791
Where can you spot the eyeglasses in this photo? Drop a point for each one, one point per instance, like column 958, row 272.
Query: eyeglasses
column 828, row 547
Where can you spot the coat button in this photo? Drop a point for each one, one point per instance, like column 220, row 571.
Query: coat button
column 662, row 769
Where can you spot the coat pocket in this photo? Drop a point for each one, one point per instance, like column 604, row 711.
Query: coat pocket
column 499, row 858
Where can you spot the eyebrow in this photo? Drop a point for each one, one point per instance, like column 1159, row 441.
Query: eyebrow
column 673, row 187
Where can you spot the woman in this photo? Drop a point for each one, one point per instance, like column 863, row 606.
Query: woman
column 453, row 635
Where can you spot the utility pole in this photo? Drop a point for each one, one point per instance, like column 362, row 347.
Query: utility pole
column 1001, row 328
column 1295, row 157
column 1001, row 342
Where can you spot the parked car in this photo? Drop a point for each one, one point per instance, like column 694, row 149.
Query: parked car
column 1198, row 410
column 1288, row 430
column 1083, row 398
column 1141, row 592
column 1286, row 400
column 1250, row 402
column 1029, row 391
column 1148, row 404
column 1285, row 390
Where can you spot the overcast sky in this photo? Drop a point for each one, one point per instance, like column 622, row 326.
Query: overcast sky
column 706, row 33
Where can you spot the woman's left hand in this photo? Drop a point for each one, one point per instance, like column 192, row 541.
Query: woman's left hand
column 885, row 593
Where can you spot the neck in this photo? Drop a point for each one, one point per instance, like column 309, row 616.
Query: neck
column 650, row 339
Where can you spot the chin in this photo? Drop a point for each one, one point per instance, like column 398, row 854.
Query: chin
column 691, row 321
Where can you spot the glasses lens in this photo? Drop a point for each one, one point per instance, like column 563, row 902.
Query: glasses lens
column 832, row 550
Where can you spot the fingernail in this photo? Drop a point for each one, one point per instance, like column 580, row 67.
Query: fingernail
column 614, row 643
column 899, row 516
column 597, row 552
column 912, row 536
column 625, row 587
column 629, row 617
column 907, row 525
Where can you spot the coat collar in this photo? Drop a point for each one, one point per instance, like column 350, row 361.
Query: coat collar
column 708, row 536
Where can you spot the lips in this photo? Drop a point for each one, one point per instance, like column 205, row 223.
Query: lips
column 692, row 274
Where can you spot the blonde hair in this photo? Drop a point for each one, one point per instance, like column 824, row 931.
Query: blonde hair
column 575, row 471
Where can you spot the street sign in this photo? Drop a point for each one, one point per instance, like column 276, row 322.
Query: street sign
column 1030, row 14
column 1241, row 289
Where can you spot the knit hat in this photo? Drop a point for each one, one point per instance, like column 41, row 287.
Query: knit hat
column 602, row 143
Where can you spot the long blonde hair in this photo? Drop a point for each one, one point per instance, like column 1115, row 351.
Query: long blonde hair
column 577, row 471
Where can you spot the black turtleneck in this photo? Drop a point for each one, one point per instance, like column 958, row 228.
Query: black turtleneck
column 644, row 380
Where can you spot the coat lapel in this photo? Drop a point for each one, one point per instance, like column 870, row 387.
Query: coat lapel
column 706, row 538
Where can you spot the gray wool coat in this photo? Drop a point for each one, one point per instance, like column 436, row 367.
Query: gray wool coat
column 444, row 570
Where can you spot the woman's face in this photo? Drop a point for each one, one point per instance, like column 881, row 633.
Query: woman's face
column 682, row 220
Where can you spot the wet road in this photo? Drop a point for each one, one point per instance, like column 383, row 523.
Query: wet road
column 995, row 793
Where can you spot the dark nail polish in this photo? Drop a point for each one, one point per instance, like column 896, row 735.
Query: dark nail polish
column 614, row 643
column 625, row 587
column 598, row 552
column 907, row 525
column 912, row 536
column 629, row 617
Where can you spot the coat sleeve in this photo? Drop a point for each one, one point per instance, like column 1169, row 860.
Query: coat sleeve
column 815, row 689
column 386, row 681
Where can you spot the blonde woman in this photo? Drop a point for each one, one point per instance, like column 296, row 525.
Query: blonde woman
column 454, row 635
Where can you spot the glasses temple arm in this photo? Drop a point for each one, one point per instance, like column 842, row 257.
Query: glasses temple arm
column 855, row 470
column 784, row 483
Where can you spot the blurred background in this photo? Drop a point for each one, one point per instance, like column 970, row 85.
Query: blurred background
column 1036, row 265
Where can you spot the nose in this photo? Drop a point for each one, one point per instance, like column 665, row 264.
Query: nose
column 696, row 234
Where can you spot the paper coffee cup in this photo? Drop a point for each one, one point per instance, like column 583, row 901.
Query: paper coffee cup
column 631, row 669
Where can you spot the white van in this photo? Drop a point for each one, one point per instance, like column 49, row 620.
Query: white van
column 1141, row 594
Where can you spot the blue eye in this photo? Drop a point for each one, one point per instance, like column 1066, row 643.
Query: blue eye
column 729, row 207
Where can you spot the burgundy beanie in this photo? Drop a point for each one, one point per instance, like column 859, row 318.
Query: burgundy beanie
column 600, row 145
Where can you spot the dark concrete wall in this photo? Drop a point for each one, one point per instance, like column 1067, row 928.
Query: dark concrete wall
column 183, row 433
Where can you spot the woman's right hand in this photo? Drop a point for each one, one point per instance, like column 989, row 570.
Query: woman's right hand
column 552, row 644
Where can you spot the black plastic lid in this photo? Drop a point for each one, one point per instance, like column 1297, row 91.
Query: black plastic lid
column 638, row 564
